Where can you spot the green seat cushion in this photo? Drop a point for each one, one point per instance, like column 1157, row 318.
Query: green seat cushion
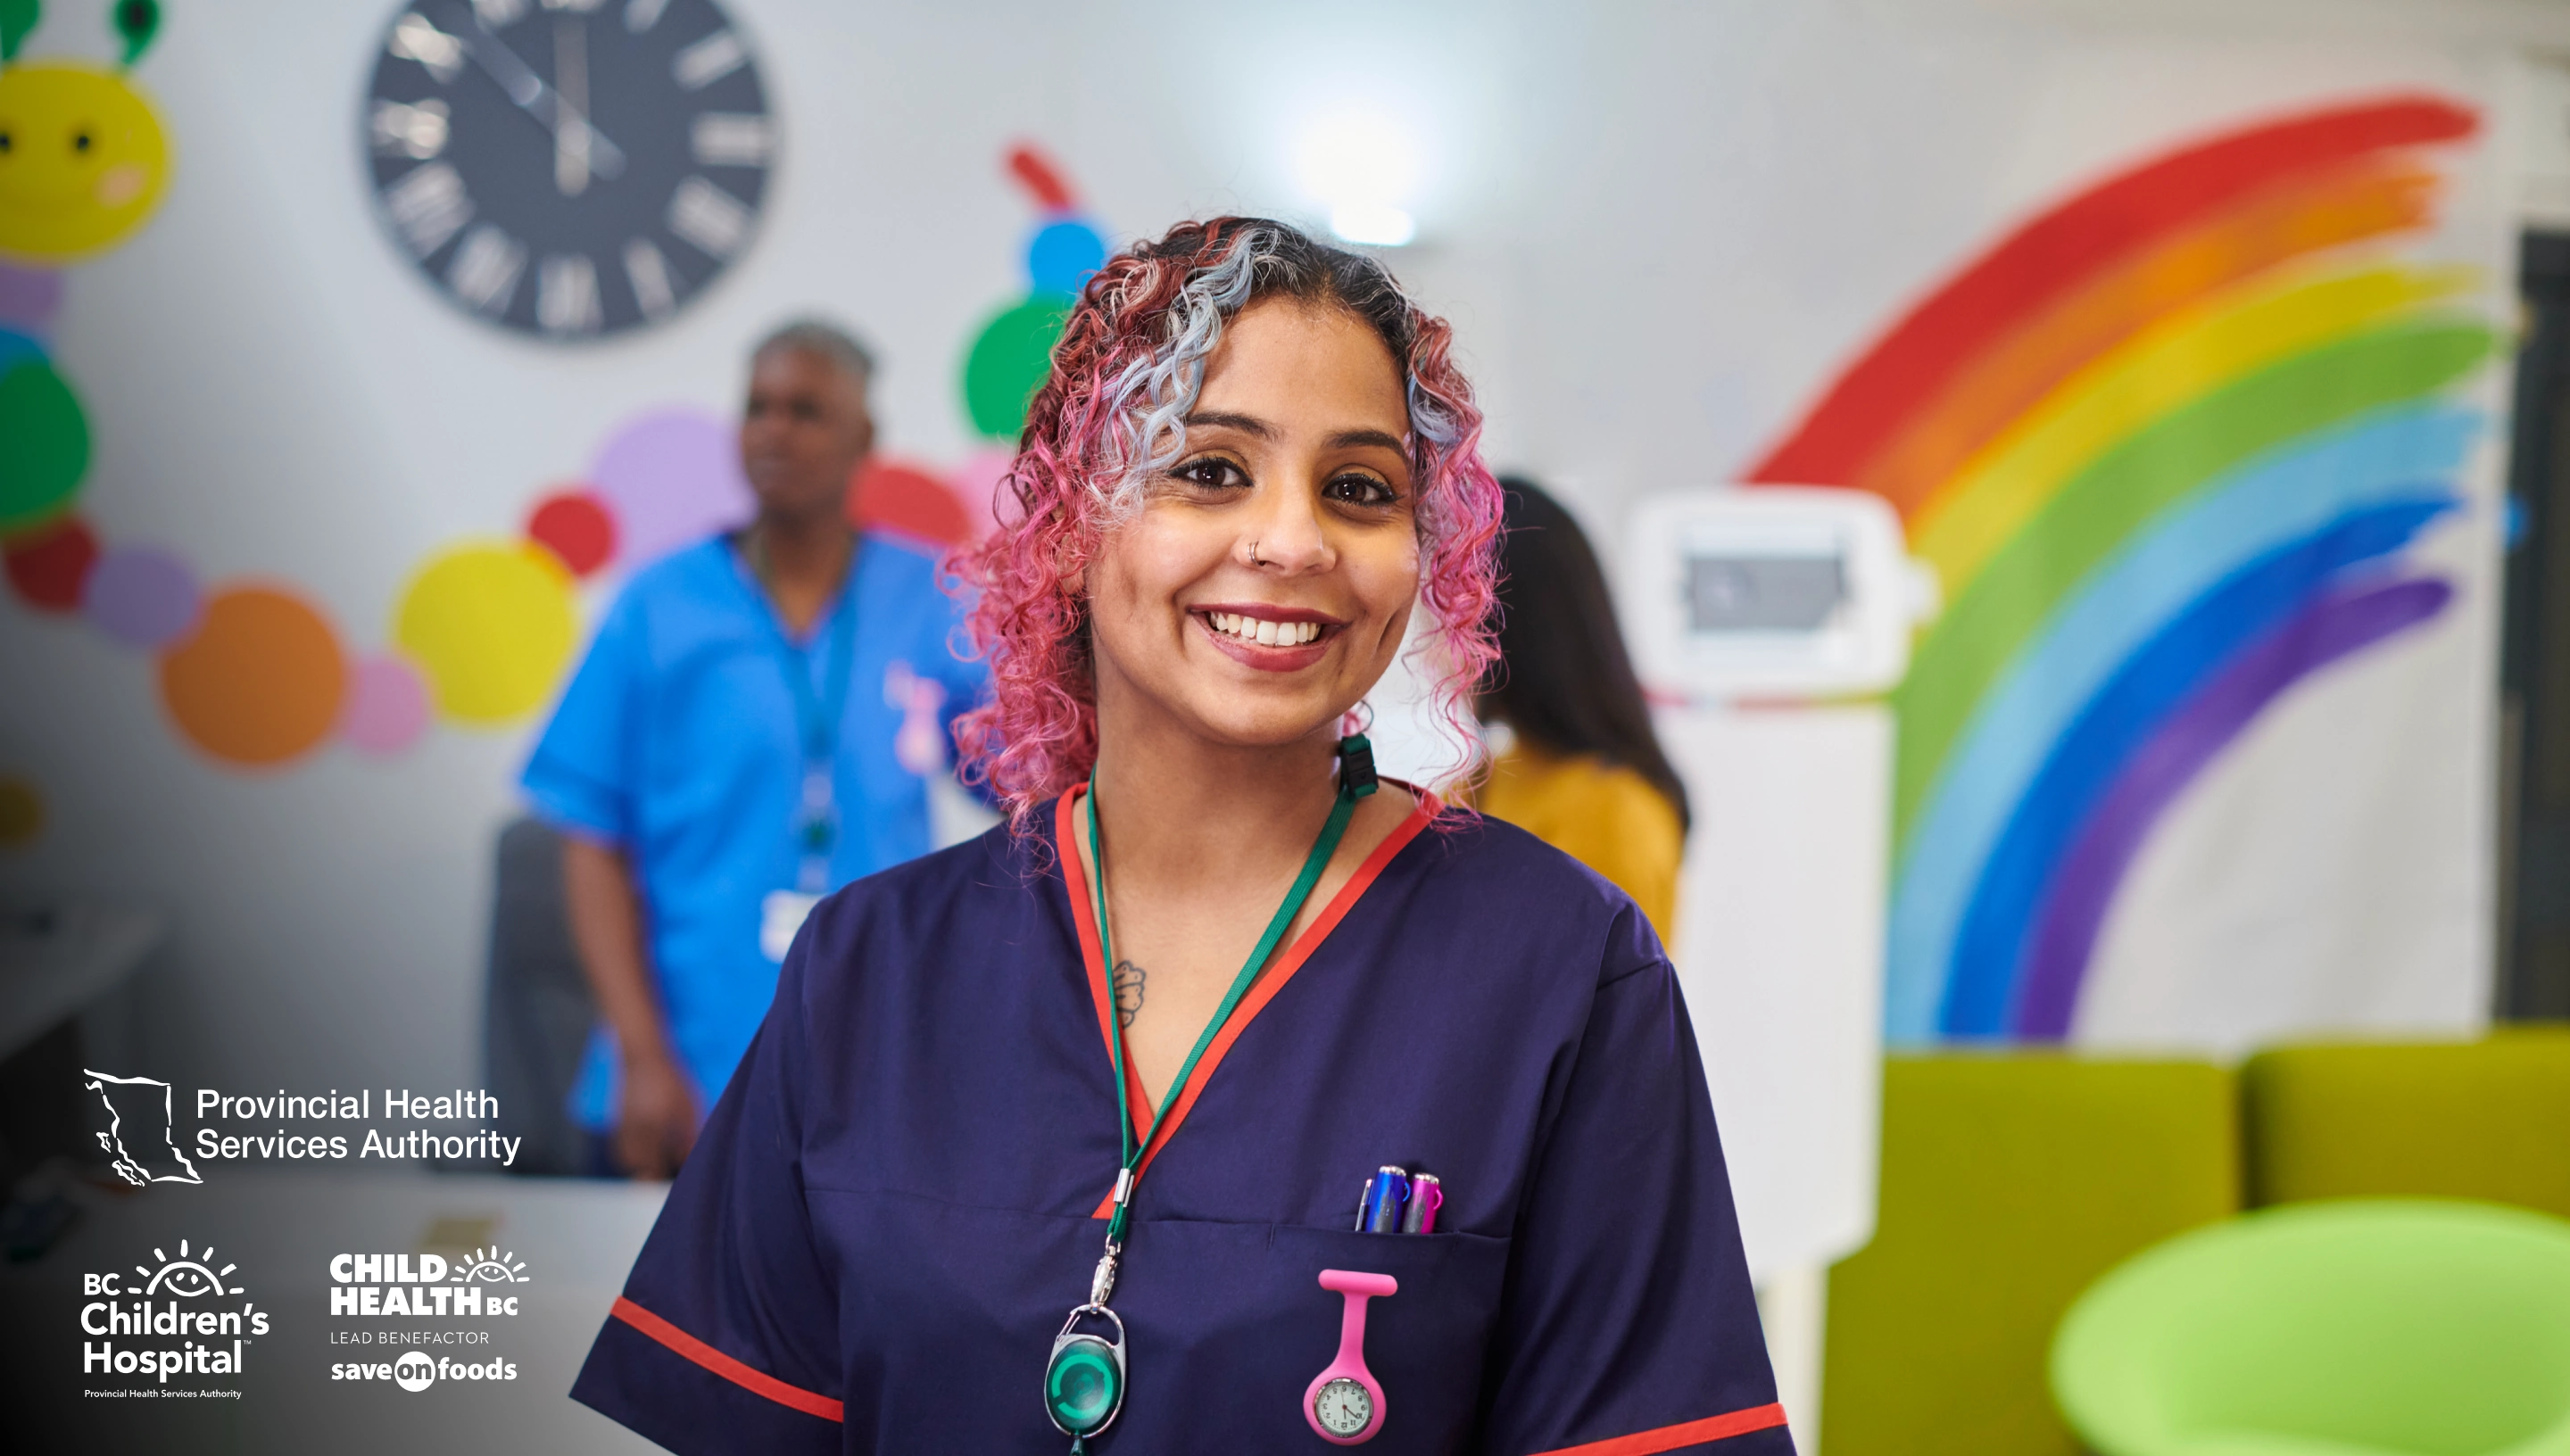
column 2485, row 1120
column 2010, row 1182
column 2354, row 1327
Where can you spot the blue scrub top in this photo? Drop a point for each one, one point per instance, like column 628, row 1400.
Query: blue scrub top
column 678, row 743
column 900, row 1198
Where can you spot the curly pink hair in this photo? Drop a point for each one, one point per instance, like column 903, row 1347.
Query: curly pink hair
column 1126, row 373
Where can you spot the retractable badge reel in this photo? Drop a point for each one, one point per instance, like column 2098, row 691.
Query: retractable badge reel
column 1345, row 1402
column 1085, row 1378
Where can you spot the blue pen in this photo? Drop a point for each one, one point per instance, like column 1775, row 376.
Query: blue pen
column 1379, row 1210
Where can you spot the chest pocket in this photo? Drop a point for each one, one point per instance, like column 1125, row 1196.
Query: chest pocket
column 1230, row 1323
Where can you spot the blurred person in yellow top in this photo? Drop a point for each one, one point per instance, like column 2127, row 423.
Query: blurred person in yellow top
column 1577, row 764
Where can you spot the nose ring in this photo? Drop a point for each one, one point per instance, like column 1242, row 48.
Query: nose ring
column 1254, row 555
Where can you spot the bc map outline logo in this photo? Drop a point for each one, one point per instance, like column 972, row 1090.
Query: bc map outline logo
column 138, row 1114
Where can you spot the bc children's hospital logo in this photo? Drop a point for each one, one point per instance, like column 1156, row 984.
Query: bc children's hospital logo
column 182, row 1315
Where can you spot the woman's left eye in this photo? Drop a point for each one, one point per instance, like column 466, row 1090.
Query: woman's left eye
column 1361, row 490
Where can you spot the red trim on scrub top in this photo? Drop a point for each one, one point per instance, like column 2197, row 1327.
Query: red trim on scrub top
column 1279, row 972
column 754, row 1381
column 1693, row 1433
column 1082, row 914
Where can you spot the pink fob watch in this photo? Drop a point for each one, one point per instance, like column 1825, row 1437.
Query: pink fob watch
column 1345, row 1402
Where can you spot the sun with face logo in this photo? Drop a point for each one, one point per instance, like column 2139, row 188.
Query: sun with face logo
column 490, row 1265
column 83, row 158
column 187, row 1276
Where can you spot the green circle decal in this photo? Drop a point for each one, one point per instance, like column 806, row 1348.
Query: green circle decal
column 1009, row 362
column 48, row 449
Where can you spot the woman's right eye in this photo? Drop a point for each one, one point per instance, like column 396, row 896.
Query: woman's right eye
column 1212, row 472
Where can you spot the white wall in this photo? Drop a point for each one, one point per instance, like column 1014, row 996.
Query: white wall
column 1658, row 228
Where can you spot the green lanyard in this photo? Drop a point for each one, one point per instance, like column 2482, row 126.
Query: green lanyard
column 1084, row 1383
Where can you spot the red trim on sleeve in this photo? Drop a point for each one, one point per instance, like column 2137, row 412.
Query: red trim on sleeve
column 1693, row 1433
column 1279, row 971
column 754, row 1381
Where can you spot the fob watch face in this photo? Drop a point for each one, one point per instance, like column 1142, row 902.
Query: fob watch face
column 1343, row 1407
column 568, row 169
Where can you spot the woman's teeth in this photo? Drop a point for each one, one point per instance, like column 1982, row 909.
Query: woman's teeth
column 1262, row 632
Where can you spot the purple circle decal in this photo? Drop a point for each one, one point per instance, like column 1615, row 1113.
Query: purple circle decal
column 671, row 478
column 29, row 298
column 143, row 597
column 387, row 706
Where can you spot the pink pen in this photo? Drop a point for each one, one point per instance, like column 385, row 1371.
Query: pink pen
column 1345, row 1402
column 1426, row 1197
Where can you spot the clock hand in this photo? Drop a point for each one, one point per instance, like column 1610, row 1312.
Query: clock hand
column 572, row 142
column 522, row 85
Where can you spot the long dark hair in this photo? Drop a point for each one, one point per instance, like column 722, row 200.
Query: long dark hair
column 1565, row 683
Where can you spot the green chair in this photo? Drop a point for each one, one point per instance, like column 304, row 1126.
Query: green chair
column 2010, row 1182
column 2487, row 1119
column 2356, row 1327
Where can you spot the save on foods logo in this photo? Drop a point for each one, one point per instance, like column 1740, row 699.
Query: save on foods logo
column 181, row 1316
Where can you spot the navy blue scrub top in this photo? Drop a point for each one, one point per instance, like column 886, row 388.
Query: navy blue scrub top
column 903, row 1191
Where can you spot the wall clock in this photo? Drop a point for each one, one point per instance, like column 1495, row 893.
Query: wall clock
column 568, row 169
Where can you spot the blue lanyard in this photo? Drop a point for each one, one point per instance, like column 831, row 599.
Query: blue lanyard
column 816, row 717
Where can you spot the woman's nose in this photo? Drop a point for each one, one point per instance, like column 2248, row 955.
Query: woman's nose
column 1287, row 535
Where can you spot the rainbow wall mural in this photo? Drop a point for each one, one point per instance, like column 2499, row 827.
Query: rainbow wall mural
column 2165, row 446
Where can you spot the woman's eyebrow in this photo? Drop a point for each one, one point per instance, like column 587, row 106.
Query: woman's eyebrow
column 1347, row 438
column 1218, row 420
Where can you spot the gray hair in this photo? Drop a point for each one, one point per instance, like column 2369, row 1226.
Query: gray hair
column 824, row 338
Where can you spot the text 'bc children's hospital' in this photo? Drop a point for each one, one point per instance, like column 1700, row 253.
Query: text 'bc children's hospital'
column 465, row 1105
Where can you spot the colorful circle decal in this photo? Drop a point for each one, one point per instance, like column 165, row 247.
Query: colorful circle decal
column 387, row 707
column 576, row 527
column 255, row 676
column 492, row 624
column 261, row 681
column 17, row 346
column 906, row 499
column 1063, row 255
column 29, row 298
column 48, row 566
column 22, row 813
column 86, row 164
column 673, row 477
column 142, row 596
column 48, row 438
column 1009, row 363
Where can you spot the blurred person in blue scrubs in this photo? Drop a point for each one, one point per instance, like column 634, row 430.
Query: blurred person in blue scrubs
column 754, row 726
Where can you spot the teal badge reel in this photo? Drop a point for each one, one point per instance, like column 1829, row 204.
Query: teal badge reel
column 1085, row 1379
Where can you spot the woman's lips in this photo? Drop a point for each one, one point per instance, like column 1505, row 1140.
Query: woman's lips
column 1269, row 639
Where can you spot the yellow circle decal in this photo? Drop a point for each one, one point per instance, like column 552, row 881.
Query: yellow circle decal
column 83, row 163
column 491, row 625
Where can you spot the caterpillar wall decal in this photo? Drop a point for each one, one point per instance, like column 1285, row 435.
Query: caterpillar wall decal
column 2165, row 445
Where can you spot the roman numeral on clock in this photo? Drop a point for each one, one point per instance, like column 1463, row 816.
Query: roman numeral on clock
column 566, row 295
column 485, row 271
column 428, row 205
column 707, row 215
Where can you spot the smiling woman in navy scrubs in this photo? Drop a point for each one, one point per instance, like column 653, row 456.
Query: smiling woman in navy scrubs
column 926, row 1218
